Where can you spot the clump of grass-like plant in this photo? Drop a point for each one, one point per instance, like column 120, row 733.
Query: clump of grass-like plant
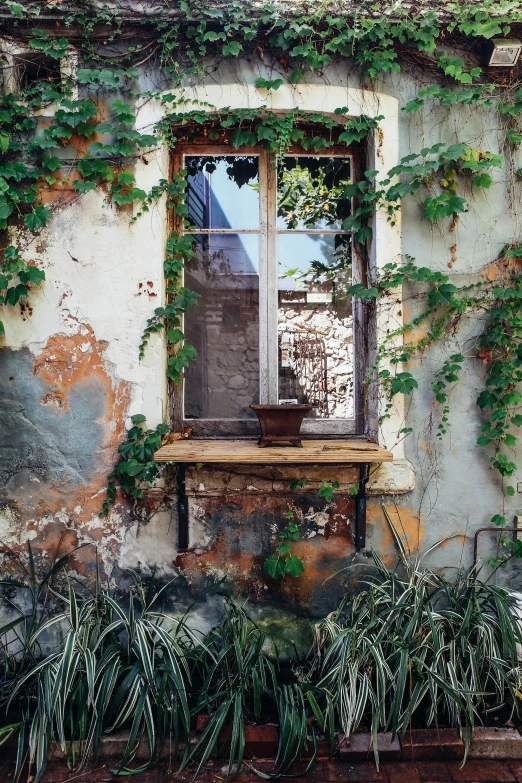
column 413, row 643
column 110, row 668
column 410, row 647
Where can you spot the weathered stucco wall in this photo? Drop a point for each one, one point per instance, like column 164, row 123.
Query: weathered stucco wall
column 70, row 378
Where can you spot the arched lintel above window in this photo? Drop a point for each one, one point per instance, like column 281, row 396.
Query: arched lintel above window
column 382, row 155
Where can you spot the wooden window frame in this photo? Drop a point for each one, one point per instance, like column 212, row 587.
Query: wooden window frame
column 268, row 300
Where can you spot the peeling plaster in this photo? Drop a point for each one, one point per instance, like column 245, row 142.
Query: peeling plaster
column 77, row 379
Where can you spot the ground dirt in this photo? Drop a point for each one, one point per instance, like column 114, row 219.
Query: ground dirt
column 324, row 772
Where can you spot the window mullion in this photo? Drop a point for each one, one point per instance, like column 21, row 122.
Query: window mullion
column 264, row 263
column 263, row 278
column 272, row 283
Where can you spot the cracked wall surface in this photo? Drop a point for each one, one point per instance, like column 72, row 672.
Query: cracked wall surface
column 70, row 378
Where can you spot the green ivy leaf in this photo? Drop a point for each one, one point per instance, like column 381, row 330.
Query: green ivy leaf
column 32, row 275
column 4, row 142
column 233, row 48
column 268, row 84
column 483, row 441
column 294, row 566
column 126, row 178
column 15, row 293
column 84, row 187
column 482, row 181
column 275, row 567
column 297, row 75
column 326, row 491
column 37, row 218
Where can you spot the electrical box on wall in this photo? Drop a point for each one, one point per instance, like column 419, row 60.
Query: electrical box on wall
column 502, row 52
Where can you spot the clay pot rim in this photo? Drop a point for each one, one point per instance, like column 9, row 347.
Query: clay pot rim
column 287, row 406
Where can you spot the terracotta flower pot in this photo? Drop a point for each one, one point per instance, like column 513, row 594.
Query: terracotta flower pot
column 280, row 423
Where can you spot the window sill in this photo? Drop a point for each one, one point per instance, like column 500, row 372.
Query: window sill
column 247, row 451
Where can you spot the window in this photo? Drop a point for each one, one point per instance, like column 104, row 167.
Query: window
column 32, row 69
column 272, row 323
column 24, row 68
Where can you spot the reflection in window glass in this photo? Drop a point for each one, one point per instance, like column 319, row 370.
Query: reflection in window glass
column 310, row 192
column 223, row 327
column 315, row 324
column 223, row 192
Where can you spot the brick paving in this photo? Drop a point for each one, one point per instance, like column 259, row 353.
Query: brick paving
column 475, row 771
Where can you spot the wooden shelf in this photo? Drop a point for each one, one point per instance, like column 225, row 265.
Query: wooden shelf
column 247, row 451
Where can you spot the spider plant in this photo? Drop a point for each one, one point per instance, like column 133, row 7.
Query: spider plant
column 415, row 641
column 237, row 680
column 113, row 668
column 410, row 645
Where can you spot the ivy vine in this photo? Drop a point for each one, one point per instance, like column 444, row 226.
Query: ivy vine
column 298, row 40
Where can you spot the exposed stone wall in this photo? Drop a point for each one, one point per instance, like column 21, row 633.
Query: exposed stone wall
column 318, row 343
column 224, row 329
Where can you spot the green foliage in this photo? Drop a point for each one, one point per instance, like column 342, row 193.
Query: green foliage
column 275, row 132
column 444, row 378
column 42, row 41
column 410, row 646
column 327, row 489
column 111, row 668
column 307, row 194
column 169, row 317
column 106, row 77
column 283, row 562
column 500, row 347
column 17, row 278
column 136, row 464
column 453, row 66
column 124, row 190
column 119, row 662
column 449, row 97
column 442, row 166
column 269, row 84
column 418, row 647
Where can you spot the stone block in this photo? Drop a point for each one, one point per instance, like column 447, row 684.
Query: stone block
column 493, row 743
column 392, row 478
column 430, row 744
column 360, row 747
column 481, row 771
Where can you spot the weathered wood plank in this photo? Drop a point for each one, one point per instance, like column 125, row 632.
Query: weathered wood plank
column 247, row 451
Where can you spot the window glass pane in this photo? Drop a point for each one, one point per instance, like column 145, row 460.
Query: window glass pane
column 223, row 192
column 315, row 323
column 223, row 327
column 310, row 192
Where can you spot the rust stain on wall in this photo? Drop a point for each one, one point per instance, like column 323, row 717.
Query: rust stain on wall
column 406, row 522
column 242, row 533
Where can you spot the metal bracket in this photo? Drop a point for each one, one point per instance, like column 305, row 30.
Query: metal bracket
column 360, row 508
column 183, row 517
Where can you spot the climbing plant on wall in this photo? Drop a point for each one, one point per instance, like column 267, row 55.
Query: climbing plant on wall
column 45, row 124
